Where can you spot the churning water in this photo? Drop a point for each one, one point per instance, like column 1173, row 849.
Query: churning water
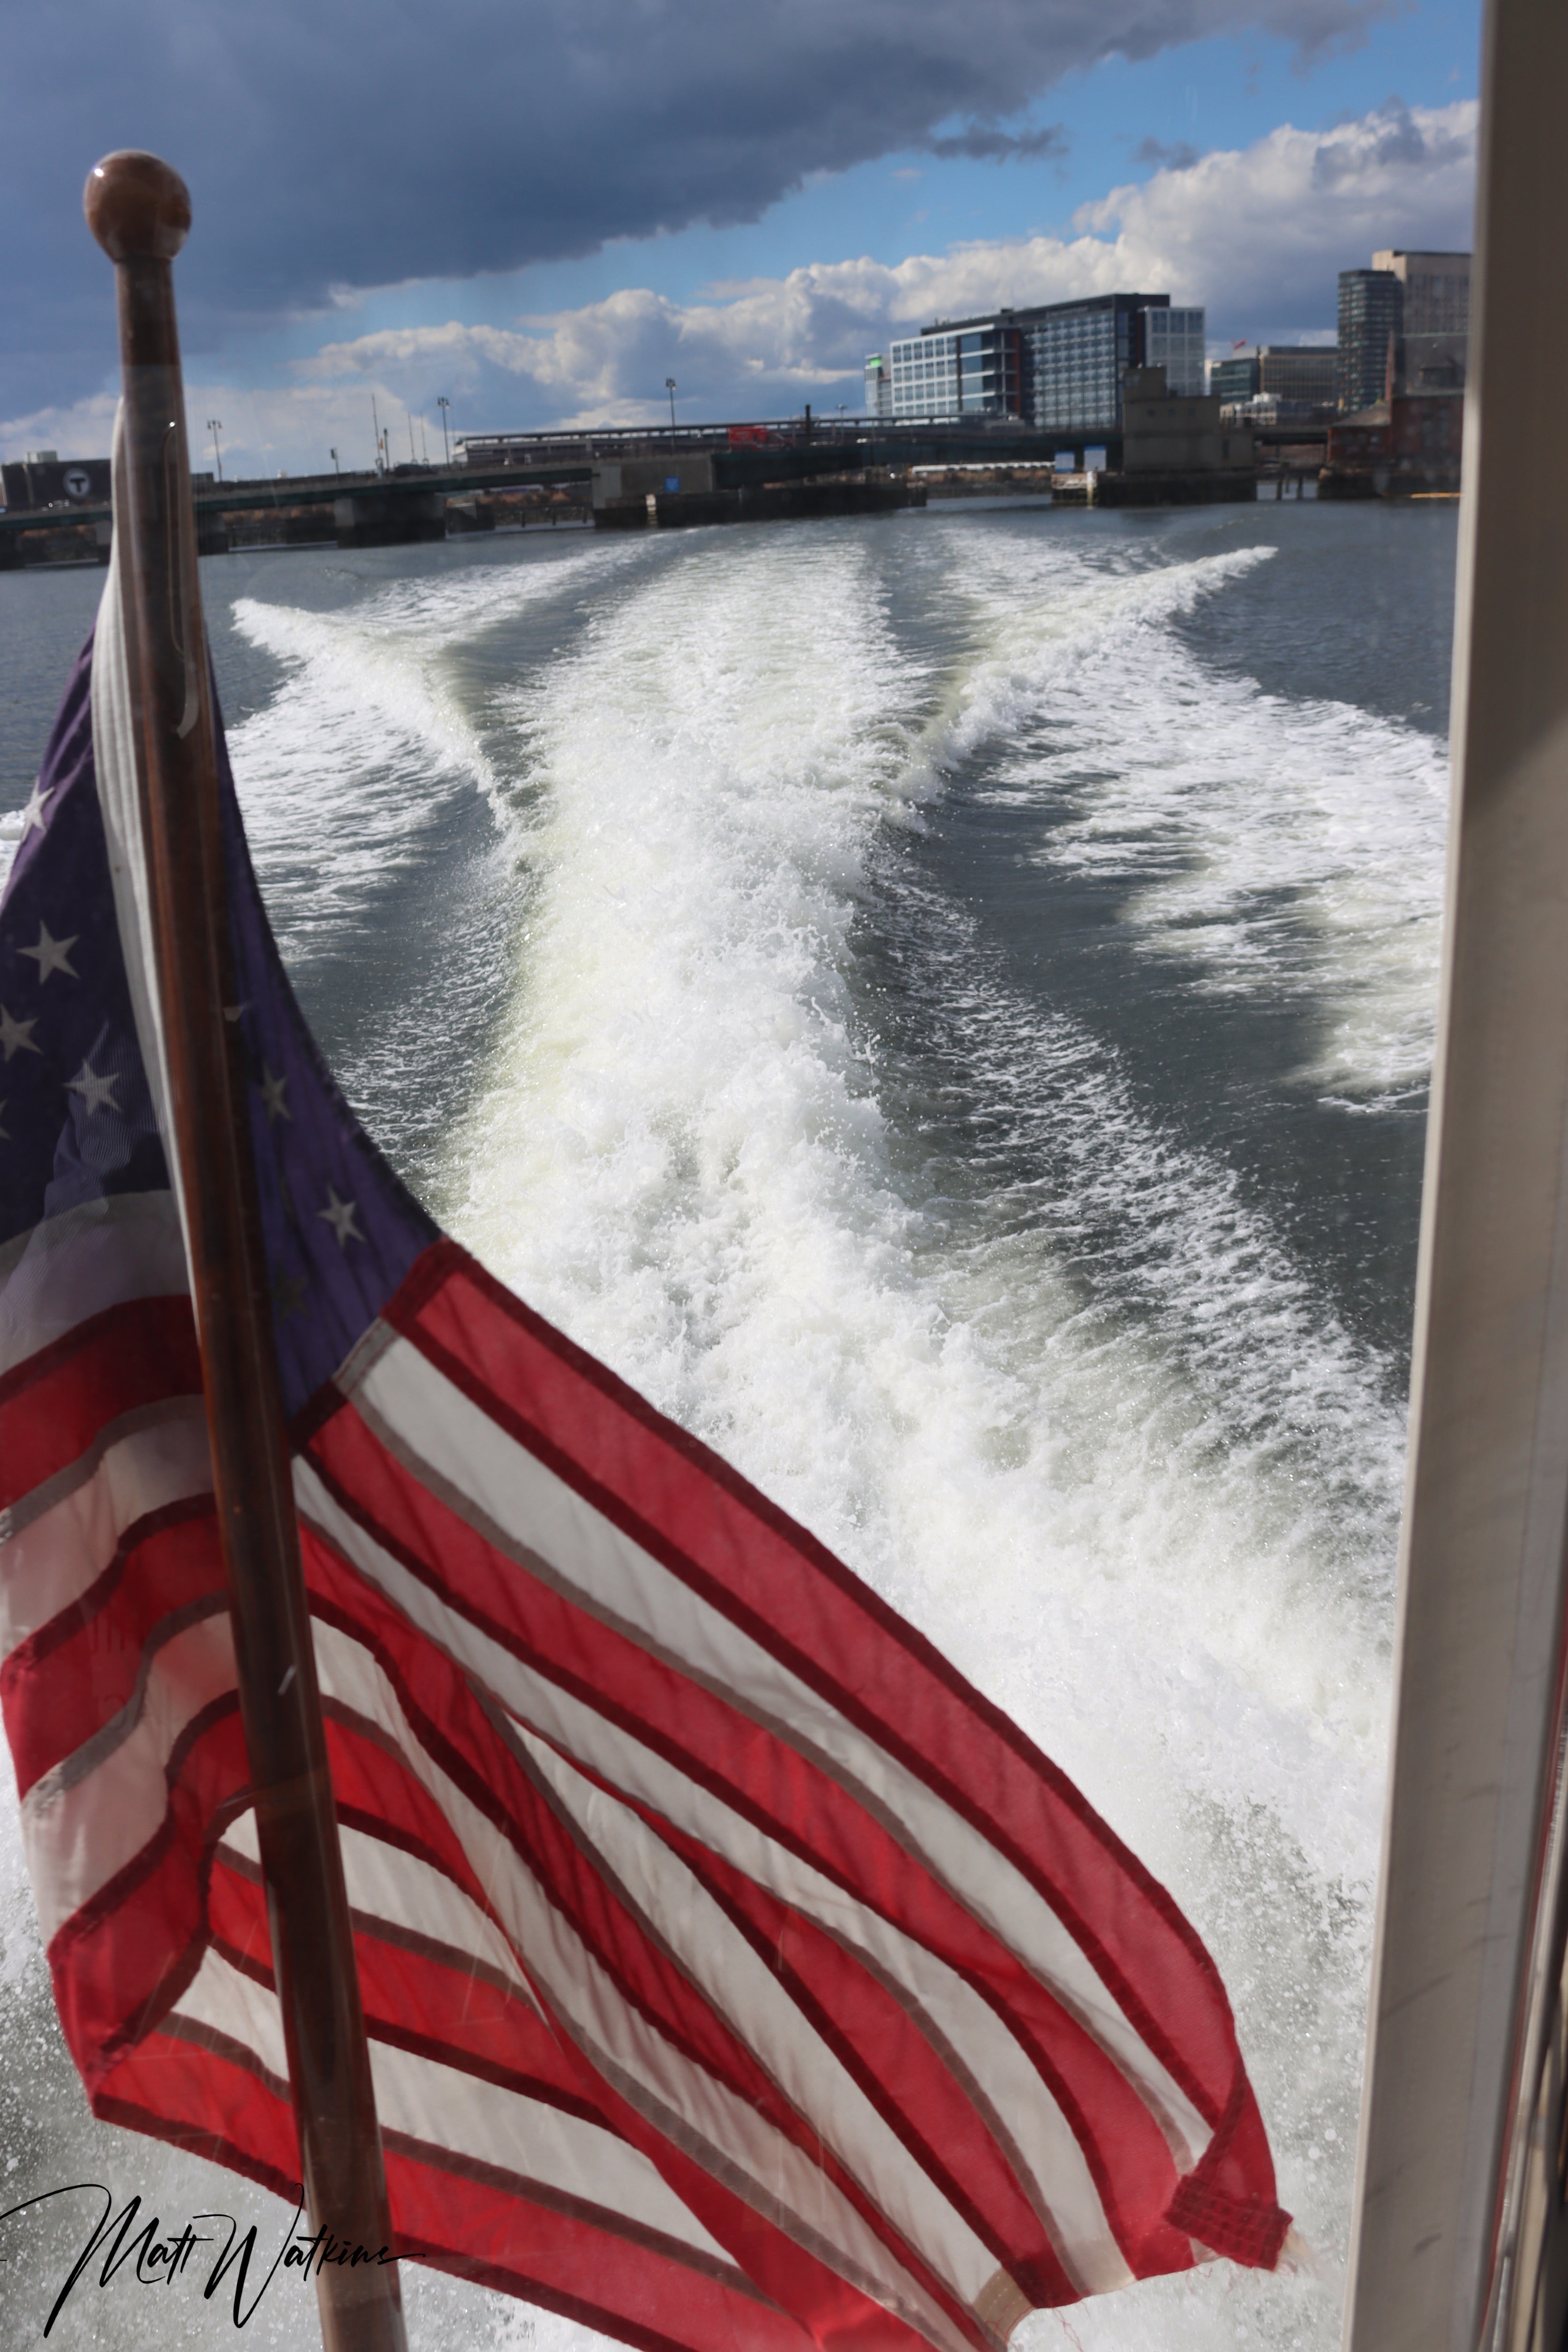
column 943, row 1005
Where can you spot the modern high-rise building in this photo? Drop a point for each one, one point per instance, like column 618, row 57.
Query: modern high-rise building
column 1436, row 289
column 1059, row 366
column 1307, row 372
column 968, row 368
column 878, row 385
column 1235, row 379
column 1304, row 375
column 1434, row 328
column 1371, row 322
column 1174, row 339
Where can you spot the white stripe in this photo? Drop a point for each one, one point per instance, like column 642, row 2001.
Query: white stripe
column 1047, row 2145
column 79, row 1831
column 436, row 1422
column 114, row 749
column 394, row 1887
column 62, row 1549
column 98, row 1256
column 457, row 2112
column 719, row 2128
column 747, row 1994
column 471, row 2117
column 977, row 2037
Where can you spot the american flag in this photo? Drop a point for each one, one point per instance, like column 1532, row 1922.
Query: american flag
column 734, row 1973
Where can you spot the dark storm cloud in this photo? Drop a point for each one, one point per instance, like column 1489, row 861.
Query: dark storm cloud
column 335, row 143
column 987, row 144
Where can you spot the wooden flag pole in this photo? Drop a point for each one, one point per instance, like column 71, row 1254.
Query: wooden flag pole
column 139, row 210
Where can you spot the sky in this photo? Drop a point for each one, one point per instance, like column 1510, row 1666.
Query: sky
column 540, row 210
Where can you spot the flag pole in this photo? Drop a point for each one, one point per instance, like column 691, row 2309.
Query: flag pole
column 139, row 210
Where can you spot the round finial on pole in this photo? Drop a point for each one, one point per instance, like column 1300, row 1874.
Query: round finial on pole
column 137, row 207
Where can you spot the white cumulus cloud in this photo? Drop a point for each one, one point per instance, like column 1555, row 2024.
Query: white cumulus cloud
column 1257, row 235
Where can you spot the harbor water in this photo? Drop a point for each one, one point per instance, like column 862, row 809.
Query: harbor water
column 943, row 1004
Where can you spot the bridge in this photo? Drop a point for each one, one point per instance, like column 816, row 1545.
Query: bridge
column 411, row 503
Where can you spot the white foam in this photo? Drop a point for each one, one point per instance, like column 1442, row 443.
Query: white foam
column 1082, row 1413
column 1156, row 1522
column 374, row 729
column 10, row 842
column 1296, row 843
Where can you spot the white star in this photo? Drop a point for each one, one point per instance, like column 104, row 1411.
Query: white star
column 53, row 955
column 94, row 1091
column 15, row 1036
column 272, row 1101
column 32, row 815
column 339, row 1215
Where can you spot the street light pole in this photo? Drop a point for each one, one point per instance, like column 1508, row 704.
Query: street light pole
column 669, row 387
column 333, row 456
column 215, row 426
column 443, row 404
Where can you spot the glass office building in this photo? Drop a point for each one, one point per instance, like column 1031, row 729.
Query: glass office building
column 1372, row 318
column 1237, row 378
column 1059, row 366
column 1304, row 373
column 969, row 370
column 1174, row 340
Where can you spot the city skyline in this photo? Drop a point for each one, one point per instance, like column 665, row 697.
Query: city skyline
column 1253, row 150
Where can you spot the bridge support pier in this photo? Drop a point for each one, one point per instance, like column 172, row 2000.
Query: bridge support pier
column 395, row 519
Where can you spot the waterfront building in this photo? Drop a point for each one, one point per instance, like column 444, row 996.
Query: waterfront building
column 878, row 385
column 1173, row 338
column 1436, row 289
column 1059, row 366
column 1409, row 444
column 41, row 479
column 1435, row 323
column 1303, row 372
column 1235, row 379
column 1166, row 431
column 1371, row 323
column 1079, row 353
column 925, row 373
column 965, row 369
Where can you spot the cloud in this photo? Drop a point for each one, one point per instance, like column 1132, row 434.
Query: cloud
column 1181, row 157
column 1265, row 231
column 1260, row 232
column 1257, row 235
column 367, row 145
column 986, row 144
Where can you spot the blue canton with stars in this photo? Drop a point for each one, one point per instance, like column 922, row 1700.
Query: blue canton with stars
column 77, row 1121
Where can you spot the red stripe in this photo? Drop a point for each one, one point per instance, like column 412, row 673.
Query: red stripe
column 474, row 2228
column 898, row 2071
column 451, row 1725
column 436, row 2010
column 594, row 2275
column 781, row 1792
column 776, row 1581
column 836, row 2312
column 54, row 1406
column 117, row 1962
column 438, row 1993
column 75, row 1674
